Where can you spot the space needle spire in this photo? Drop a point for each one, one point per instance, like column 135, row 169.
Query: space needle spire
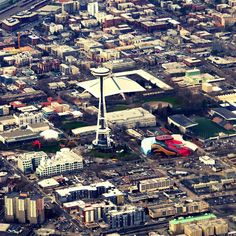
column 102, row 140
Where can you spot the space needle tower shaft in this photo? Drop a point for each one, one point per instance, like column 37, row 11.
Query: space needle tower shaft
column 102, row 140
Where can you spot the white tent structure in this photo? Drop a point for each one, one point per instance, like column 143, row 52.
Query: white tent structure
column 111, row 86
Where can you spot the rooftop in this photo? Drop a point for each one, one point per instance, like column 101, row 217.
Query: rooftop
column 182, row 120
column 226, row 114
column 189, row 219
column 112, row 86
column 129, row 114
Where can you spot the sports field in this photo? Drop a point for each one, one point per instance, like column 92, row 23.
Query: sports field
column 69, row 125
column 206, row 128
column 174, row 101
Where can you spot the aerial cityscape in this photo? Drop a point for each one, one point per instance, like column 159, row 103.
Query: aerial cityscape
column 118, row 117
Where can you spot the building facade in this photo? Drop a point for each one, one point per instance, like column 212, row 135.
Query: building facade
column 28, row 162
column 127, row 216
column 64, row 161
column 24, row 208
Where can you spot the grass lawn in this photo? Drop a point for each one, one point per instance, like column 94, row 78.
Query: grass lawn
column 117, row 107
column 175, row 102
column 69, row 125
column 50, row 148
column 128, row 156
column 206, row 128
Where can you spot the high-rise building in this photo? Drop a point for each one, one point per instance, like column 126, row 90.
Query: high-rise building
column 23, row 208
column 28, row 162
column 93, row 8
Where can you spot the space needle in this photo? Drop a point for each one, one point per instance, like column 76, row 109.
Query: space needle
column 103, row 86
column 102, row 140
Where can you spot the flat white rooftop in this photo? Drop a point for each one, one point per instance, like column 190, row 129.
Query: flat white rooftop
column 129, row 114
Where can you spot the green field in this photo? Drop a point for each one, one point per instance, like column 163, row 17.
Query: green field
column 50, row 148
column 69, row 125
column 125, row 156
column 117, row 107
column 206, row 128
column 174, row 101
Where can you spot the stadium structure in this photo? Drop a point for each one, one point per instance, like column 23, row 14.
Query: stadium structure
column 167, row 146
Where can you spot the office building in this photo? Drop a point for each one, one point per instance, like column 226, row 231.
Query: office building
column 64, row 161
column 24, row 208
column 127, row 216
column 155, row 184
column 28, row 162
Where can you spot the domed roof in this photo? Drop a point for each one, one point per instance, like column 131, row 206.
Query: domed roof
column 49, row 134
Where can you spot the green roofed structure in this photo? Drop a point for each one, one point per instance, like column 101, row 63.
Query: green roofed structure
column 177, row 225
column 183, row 220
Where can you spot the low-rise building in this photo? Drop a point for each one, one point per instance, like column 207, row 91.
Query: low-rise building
column 90, row 212
column 178, row 209
column 28, row 118
column 182, row 122
column 176, row 226
column 18, row 136
column 64, row 161
column 28, row 162
column 155, row 184
column 115, row 196
column 125, row 217
column 207, row 160
column 80, row 192
column 131, row 118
